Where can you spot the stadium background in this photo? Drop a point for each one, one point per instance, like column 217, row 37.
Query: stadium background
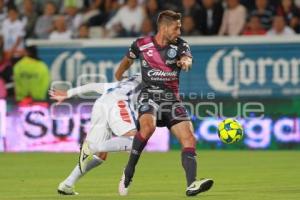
column 83, row 41
column 274, row 127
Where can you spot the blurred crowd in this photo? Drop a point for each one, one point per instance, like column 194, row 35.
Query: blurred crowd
column 82, row 19
column 61, row 20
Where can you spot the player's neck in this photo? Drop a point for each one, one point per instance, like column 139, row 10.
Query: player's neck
column 160, row 40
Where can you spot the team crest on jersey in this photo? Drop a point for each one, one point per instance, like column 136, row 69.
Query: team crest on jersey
column 171, row 53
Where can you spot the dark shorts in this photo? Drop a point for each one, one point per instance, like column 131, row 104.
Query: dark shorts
column 168, row 110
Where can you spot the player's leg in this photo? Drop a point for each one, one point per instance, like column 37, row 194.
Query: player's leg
column 107, row 116
column 116, row 144
column 122, row 122
column 147, row 123
column 87, row 160
column 185, row 134
column 67, row 187
column 98, row 133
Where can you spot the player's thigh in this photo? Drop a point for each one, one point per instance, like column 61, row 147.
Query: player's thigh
column 184, row 132
column 121, row 119
column 147, row 117
column 99, row 130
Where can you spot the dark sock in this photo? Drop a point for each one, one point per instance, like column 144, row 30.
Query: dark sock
column 138, row 145
column 189, row 163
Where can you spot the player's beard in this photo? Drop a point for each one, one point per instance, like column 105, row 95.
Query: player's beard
column 171, row 39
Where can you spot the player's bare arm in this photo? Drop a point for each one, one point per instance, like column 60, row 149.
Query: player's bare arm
column 124, row 65
column 185, row 63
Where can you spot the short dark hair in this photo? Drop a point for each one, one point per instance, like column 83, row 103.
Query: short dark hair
column 13, row 8
column 167, row 16
column 32, row 52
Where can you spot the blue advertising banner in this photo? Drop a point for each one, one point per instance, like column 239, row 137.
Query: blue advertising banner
column 259, row 133
column 268, row 70
column 250, row 67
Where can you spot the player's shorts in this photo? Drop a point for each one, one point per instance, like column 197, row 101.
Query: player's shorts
column 168, row 110
column 110, row 116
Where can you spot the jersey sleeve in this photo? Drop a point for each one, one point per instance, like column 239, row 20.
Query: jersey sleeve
column 133, row 51
column 184, row 49
column 91, row 87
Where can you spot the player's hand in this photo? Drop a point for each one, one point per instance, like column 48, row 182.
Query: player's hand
column 185, row 63
column 58, row 95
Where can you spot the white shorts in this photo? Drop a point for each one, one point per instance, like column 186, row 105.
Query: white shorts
column 110, row 115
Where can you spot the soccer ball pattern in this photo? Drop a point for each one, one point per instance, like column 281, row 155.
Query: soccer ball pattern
column 230, row 131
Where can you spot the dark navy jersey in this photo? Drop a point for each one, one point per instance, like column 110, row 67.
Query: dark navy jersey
column 159, row 64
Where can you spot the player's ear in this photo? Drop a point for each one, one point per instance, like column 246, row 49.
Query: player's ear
column 163, row 27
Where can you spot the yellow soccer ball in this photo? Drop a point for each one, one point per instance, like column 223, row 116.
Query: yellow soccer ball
column 230, row 131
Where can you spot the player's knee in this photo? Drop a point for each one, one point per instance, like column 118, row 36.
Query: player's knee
column 193, row 141
column 147, row 129
column 189, row 141
column 102, row 155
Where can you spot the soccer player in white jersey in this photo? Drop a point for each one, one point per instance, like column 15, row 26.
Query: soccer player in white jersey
column 114, row 113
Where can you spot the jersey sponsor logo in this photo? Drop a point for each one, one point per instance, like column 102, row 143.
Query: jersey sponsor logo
column 124, row 112
column 155, row 72
column 171, row 53
column 170, row 62
column 156, row 90
column 146, row 46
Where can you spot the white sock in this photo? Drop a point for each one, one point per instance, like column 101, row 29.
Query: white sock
column 76, row 173
column 112, row 145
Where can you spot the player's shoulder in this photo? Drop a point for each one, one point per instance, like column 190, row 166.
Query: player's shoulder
column 144, row 41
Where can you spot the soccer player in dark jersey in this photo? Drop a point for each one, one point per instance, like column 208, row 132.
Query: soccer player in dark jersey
column 162, row 57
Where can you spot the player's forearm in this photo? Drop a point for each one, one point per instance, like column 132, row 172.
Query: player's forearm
column 124, row 65
column 100, row 88
column 91, row 87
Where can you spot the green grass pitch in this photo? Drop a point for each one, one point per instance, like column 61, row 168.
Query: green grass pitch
column 238, row 175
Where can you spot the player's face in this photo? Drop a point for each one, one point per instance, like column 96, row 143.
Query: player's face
column 173, row 31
